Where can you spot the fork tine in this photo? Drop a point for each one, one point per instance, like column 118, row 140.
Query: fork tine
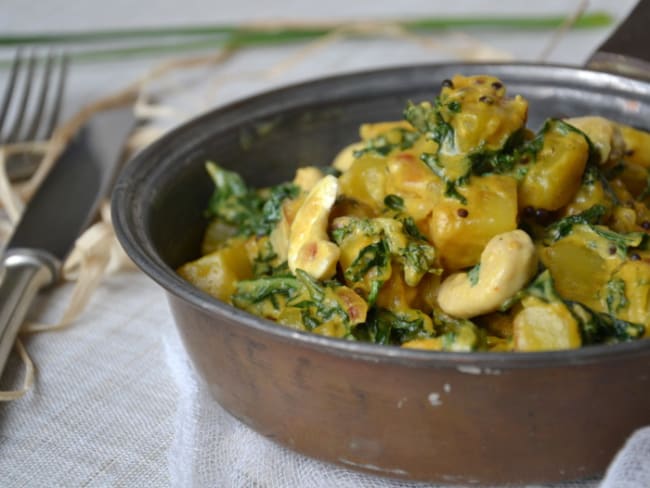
column 22, row 108
column 37, row 117
column 55, row 112
column 9, row 90
column 44, row 107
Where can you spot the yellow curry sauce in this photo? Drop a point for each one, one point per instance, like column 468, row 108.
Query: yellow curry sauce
column 457, row 228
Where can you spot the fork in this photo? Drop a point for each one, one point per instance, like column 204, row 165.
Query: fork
column 34, row 109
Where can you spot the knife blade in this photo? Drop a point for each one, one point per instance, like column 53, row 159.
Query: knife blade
column 63, row 206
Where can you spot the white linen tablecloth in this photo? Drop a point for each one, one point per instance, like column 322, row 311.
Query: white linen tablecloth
column 116, row 402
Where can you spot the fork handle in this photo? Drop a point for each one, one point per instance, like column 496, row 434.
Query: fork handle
column 25, row 272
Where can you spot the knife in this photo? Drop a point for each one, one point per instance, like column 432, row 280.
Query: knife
column 63, row 206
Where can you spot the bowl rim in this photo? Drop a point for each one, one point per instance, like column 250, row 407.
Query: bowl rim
column 139, row 248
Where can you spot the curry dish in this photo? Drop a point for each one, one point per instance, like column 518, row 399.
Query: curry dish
column 457, row 229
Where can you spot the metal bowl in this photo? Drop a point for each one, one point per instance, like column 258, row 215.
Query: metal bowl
column 420, row 415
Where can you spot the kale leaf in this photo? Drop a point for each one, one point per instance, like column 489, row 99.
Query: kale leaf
column 251, row 212
column 384, row 144
column 268, row 297
column 563, row 227
column 387, row 327
column 459, row 335
column 616, row 299
column 598, row 327
column 591, row 218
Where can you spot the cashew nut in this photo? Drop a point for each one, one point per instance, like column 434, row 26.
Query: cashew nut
column 306, row 178
column 508, row 262
column 309, row 246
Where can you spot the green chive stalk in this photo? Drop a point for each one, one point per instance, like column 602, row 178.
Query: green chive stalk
column 167, row 40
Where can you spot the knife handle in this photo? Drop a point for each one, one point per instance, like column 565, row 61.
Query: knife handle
column 25, row 272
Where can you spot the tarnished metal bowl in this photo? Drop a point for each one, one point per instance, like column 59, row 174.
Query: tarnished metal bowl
column 421, row 415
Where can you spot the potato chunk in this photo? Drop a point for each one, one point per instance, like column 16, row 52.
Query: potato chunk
column 411, row 179
column 637, row 145
column 365, row 181
column 634, row 304
column 460, row 231
column 217, row 273
column 553, row 179
column 345, row 157
column 579, row 272
column 542, row 326
column 487, row 118
column 604, row 134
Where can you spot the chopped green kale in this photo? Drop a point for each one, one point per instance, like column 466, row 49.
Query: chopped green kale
column 451, row 190
column 266, row 263
column 251, row 212
column 387, row 327
column 507, row 159
column 563, row 227
column 598, row 327
column 541, row 287
column 374, row 256
column 251, row 293
column 384, row 144
column 394, row 202
column 590, row 218
column 622, row 242
column 429, row 120
column 270, row 296
column 411, row 228
column 616, row 299
column 392, row 240
column 321, row 306
column 460, row 335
